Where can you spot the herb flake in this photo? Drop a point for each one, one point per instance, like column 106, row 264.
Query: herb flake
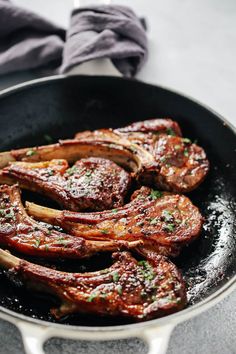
column 115, row 277
column 92, row 297
column 155, row 194
column 31, row 152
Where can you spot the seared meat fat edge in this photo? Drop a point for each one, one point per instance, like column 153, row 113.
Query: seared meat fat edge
column 21, row 233
column 90, row 184
column 153, row 151
column 163, row 221
column 140, row 290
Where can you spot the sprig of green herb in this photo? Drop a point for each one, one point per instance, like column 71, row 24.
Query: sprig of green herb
column 169, row 227
column 119, row 289
column 170, row 131
column 186, row 153
column 186, row 140
column 31, row 152
column 104, row 231
column 115, row 277
column 37, row 242
column 92, row 297
column 155, row 194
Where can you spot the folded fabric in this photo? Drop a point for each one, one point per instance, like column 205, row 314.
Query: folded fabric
column 29, row 41
column 105, row 31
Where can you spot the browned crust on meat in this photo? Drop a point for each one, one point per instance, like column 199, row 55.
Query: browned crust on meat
column 21, row 233
column 90, row 184
column 138, row 290
column 164, row 222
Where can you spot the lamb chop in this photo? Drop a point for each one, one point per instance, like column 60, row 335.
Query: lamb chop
column 90, row 184
column 164, row 222
column 155, row 126
column 138, row 290
column 21, row 233
column 142, row 133
column 155, row 158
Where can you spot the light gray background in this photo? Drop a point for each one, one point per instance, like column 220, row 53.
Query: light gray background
column 192, row 46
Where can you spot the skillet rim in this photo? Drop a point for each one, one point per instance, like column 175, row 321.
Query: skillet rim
column 195, row 309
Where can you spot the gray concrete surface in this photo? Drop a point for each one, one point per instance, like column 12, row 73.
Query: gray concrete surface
column 192, row 46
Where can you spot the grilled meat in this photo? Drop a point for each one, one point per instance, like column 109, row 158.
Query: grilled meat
column 155, row 158
column 21, row 233
column 177, row 165
column 156, row 126
column 90, row 184
column 142, row 133
column 139, row 290
column 165, row 222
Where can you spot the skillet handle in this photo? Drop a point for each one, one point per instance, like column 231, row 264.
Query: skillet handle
column 157, row 338
column 33, row 337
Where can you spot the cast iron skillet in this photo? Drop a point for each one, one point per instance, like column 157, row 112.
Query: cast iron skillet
column 61, row 106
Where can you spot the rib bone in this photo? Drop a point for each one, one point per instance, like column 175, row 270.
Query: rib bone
column 138, row 290
column 154, row 158
column 21, row 233
column 164, row 222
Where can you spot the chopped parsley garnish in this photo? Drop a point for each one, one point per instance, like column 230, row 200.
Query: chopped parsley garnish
column 154, row 221
column 92, row 297
column 88, row 173
column 104, row 231
column 50, row 172
column 31, row 152
column 48, row 138
column 170, row 131
column 37, row 242
column 147, row 270
column 186, row 140
column 155, row 194
column 163, row 159
column 71, row 170
column 177, row 147
column 169, row 227
column 115, row 277
column 140, row 223
column 186, row 153
column 119, row 289
column 166, row 214
column 114, row 211
column 7, row 213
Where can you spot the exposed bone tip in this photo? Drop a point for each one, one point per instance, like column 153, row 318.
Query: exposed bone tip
column 7, row 260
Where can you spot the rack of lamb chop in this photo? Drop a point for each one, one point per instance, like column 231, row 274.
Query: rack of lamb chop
column 154, row 151
column 139, row 290
column 21, row 233
column 163, row 221
column 90, row 176
column 90, row 184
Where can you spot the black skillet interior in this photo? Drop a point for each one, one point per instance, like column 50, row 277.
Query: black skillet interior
column 59, row 108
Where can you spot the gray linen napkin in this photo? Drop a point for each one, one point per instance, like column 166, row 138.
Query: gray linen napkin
column 106, row 31
column 29, row 41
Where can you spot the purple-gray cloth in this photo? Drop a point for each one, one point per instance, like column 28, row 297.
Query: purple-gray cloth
column 29, row 41
column 105, row 31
